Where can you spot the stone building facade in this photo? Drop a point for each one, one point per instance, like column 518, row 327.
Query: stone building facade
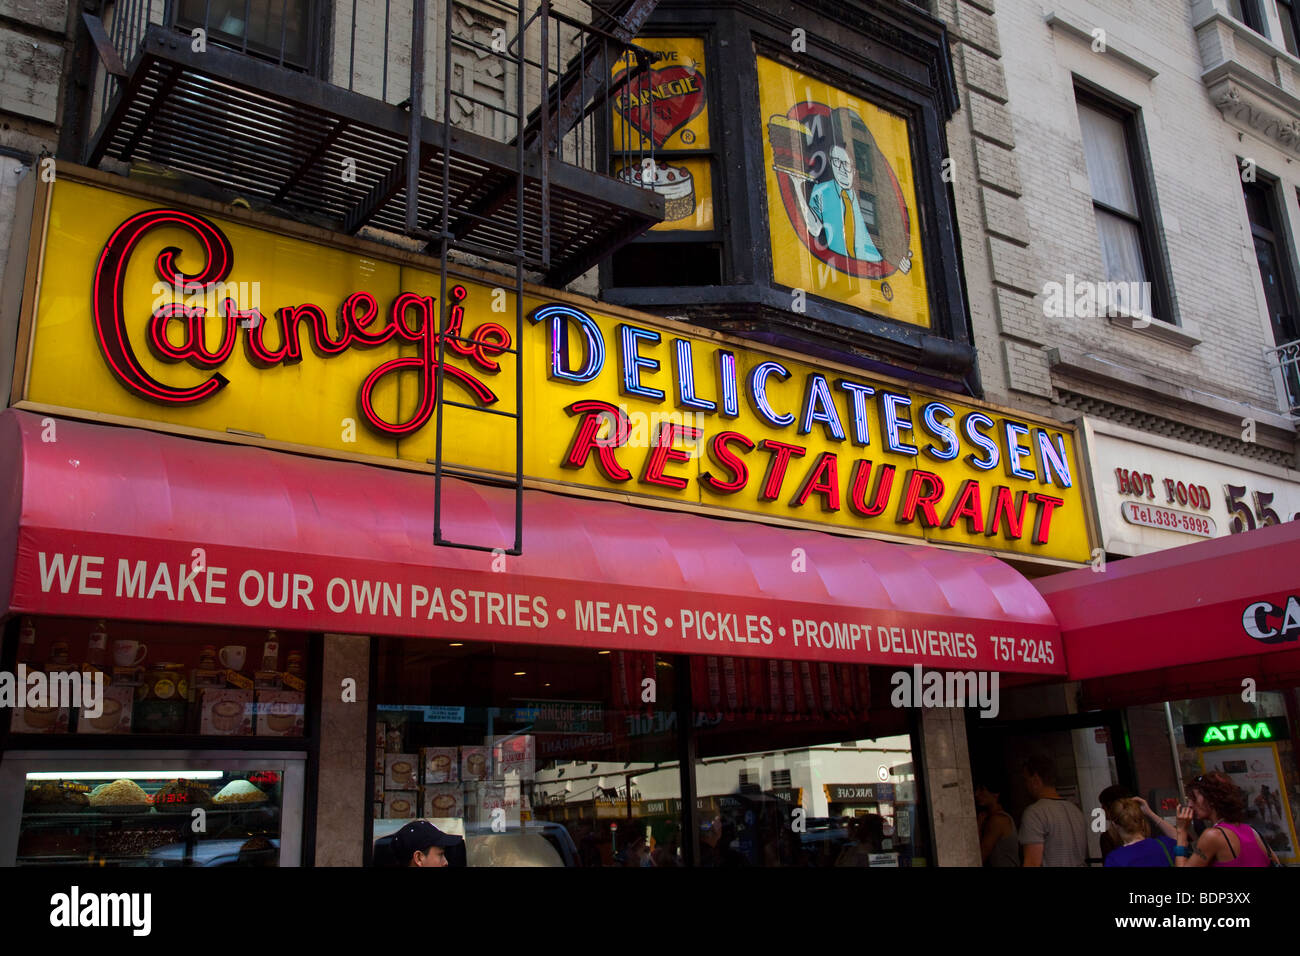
column 1212, row 102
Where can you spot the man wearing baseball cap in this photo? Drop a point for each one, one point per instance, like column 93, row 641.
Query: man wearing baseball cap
column 420, row 843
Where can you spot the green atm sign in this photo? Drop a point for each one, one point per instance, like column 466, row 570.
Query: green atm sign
column 1264, row 730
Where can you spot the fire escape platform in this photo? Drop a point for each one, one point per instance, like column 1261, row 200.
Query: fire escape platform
column 304, row 147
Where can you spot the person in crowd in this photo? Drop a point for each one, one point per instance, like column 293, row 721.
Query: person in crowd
column 999, row 845
column 717, row 844
column 1226, row 841
column 1053, row 831
column 1137, row 846
column 420, row 843
column 1264, row 803
column 1104, row 800
column 868, row 834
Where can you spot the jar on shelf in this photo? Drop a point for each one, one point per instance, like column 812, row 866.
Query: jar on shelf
column 27, row 642
column 161, row 700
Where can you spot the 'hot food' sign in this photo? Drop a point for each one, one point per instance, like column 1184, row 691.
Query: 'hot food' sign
column 155, row 313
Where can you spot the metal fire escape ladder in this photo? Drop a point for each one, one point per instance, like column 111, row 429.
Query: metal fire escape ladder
column 562, row 106
column 446, row 240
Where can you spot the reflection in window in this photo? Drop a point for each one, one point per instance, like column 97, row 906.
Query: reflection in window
column 1264, row 769
column 570, row 753
column 575, row 755
column 277, row 31
column 785, row 775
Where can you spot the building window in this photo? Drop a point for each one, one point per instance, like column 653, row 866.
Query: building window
column 1286, row 15
column 180, row 723
column 1271, row 255
column 665, row 111
column 1122, row 200
column 586, row 771
column 1251, row 13
column 276, row 31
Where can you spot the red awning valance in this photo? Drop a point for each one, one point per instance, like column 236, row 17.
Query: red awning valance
column 1223, row 600
column 126, row 523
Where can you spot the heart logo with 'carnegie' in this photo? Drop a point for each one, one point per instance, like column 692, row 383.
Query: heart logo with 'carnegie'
column 660, row 102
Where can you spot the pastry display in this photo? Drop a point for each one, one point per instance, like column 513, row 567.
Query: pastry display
column 112, row 712
column 41, row 718
column 674, row 183
column 440, row 764
column 401, row 804
column 181, row 796
column 400, row 771
column 240, row 793
column 54, row 798
column 473, row 763
column 133, row 842
column 443, row 800
column 120, row 796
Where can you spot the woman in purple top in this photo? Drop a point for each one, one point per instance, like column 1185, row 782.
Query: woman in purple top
column 1138, row 847
column 1214, row 798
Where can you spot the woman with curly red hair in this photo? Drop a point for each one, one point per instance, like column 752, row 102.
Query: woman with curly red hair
column 1227, row 841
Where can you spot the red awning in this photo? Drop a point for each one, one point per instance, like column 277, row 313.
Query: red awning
column 1172, row 614
column 127, row 523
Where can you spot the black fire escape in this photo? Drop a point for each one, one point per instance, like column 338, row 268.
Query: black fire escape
column 243, row 97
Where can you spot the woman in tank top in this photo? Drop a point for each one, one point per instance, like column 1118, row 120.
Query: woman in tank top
column 1214, row 798
column 999, row 844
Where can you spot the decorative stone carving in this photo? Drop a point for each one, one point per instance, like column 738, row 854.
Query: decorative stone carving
column 1249, row 111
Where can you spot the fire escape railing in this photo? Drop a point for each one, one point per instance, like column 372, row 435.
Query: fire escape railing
column 531, row 100
column 1286, row 360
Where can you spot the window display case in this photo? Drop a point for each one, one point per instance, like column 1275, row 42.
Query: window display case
column 163, row 681
column 151, row 808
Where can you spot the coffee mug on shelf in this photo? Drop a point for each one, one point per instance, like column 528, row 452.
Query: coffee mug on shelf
column 129, row 653
column 233, row 656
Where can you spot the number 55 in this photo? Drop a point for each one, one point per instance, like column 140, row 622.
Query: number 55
column 1242, row 519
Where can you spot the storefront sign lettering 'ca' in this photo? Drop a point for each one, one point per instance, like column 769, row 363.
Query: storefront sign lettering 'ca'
column 613, row 400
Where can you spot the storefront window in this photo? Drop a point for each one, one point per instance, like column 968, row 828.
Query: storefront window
column 1252, row 742
column 137, row 744
column 786, row 776
column 176, row 811
column 538, row 756
column 159, row 680
column 575, row 754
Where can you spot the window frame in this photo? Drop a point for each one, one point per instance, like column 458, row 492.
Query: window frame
column 1270, row 189
column 1288, row 16
column 315, row 61
column 897, row 60
column 1150, row 233
column 1254, row 17
column 711, row 154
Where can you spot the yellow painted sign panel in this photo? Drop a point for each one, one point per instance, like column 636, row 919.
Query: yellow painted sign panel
column 841, row 196
column 150, row 311
column 665, row 105
column 665, row 109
